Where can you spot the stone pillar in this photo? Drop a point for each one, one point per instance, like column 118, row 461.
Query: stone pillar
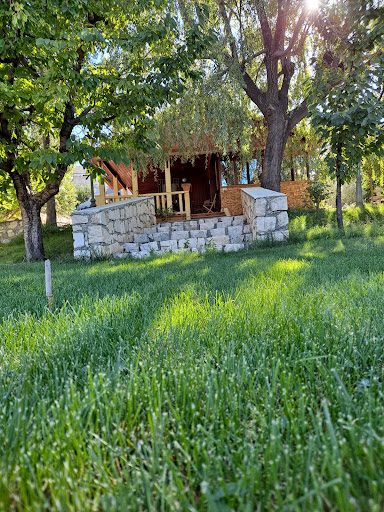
column 103, row 231
column 266, row 213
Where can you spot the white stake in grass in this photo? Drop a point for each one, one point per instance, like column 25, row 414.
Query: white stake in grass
column 48, row 283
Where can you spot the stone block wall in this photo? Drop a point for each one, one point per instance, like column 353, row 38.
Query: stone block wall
column 266, row 213
column 102, row 231
column 231, row 195
column 10, row 229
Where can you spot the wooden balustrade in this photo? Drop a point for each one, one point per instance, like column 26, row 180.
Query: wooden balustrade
column 163, row 201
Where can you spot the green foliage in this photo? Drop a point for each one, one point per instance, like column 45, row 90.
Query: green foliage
column 83, row 193
column 372, row 169
column 317, row 192
column 66, row 199
column 164, row 213
column 240, row 379
column 346, row 101
column 70, row 69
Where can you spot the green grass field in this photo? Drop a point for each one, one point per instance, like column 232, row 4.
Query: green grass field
column 244, row 381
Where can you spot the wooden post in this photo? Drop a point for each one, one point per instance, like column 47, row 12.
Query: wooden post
column 248, row 174
column 100, row 199
column 48, row 284
column 115, row 187
column 135, row 182
column 168, row 183
column 187, row 205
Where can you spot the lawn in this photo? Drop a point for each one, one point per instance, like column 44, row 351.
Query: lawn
column 244, row 381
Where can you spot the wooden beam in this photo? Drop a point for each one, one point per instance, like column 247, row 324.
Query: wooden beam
column 187, row 205
column 115, row 187
column 135, row 182
column 100, row 199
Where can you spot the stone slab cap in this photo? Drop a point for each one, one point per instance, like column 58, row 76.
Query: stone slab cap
column 259, row 192
column 111, row 206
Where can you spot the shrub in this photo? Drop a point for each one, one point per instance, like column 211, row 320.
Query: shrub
column 317, row 192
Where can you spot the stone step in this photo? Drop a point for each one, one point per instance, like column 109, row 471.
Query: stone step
column 234, row 227
column 199, row 244
column 227, row 233
column 200, row 224
column 146, row 252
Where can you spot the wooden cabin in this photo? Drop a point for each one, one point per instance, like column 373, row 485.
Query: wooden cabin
column 187, row 188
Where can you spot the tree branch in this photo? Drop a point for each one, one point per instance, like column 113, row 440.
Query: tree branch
column 281, row 24
column 265, row 28
column 227, row 29
column 253, row 92
column 297, row 115
column 282, row 53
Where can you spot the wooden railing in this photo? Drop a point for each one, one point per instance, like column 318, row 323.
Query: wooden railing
column 178, row 202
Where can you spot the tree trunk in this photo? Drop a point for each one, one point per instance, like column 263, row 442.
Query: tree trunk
column 33, row 236
column 292, row 174
column 339, row 211
column 274, row 151
column 30, row 208
column 51, row 212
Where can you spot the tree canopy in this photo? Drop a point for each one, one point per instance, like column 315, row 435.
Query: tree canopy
column 67, row 67
column 346, row 105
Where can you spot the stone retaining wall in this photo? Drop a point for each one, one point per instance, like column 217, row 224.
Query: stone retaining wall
column 10, row 229
column 266, row 213
column 231, row 195
column 102, row 231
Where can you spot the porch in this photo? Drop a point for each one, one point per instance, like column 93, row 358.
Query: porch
column 180, row 192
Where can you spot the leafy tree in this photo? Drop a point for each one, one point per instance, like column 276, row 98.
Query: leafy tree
column 66, row 66
column 350, row 119
column 263, row 48
column 318, row 192
column 66, row 199
column 372, row 167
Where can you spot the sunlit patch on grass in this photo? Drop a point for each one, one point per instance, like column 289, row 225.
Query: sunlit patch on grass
column 340, row 247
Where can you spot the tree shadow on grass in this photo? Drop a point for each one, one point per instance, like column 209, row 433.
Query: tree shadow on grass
column 106, row 305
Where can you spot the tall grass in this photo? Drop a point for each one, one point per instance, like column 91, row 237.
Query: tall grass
column 246, row 381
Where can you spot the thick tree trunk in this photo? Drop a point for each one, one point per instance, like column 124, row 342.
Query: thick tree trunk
column 51, row 212
column 339, row 211
column 33, row 236
column 30, row 208
column 274, row 151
